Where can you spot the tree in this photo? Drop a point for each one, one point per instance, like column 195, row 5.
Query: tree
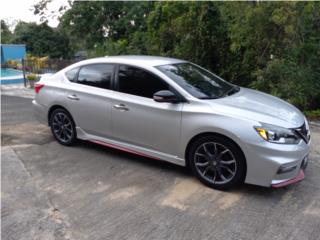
column 41, row 40
column 97, row 22
column 6, row 35
column 278, row 44
column 271, row 46
column 190, row 30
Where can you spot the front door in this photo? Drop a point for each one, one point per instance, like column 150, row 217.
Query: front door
column 137, row 119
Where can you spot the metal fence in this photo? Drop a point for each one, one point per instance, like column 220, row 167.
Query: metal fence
column 38, row 66
column 41, row 66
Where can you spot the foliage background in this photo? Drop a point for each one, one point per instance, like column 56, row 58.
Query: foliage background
column 270, row 46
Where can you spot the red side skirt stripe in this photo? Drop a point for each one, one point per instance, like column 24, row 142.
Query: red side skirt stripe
column 123, row 149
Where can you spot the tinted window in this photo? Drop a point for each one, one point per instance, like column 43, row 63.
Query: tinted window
column 71, row 74
column 197, row 81
column 96, row 75
column 138, row 82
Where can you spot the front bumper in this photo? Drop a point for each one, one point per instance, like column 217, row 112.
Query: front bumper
column 282, row 183
column 290, row 181
column 276, row 165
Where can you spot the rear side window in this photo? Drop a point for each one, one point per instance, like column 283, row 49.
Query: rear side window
column 139, row 82
column 71, row 74
column 96, row 75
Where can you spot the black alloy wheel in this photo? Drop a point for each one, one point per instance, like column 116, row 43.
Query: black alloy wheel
column 63, row 127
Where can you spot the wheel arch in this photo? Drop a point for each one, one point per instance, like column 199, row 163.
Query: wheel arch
column 54, row 107
column 199, row 135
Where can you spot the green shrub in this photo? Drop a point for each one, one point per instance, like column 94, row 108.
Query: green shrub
column 313, row 114
column 31, row 77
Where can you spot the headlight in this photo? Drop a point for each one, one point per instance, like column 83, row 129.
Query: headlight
column 277, row 134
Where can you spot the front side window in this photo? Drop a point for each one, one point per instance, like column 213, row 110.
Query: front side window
column 96, row 75
column 139, row 82
column 197, row 81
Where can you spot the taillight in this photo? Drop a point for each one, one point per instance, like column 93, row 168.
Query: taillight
column 38, row 87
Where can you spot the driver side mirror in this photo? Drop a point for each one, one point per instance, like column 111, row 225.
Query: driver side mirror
column 165, row 96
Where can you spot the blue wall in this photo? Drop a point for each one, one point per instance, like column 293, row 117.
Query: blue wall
column 12, row 52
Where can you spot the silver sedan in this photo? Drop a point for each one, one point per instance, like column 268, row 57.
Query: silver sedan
column 176, row 111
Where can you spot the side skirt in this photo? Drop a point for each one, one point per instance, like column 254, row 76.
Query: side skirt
column 141, row 151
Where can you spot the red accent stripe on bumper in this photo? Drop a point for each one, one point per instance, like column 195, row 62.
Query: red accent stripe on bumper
column 123, row 149
column 291, row 181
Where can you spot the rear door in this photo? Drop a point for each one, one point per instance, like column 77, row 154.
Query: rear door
column 89, row 97
column 138, row 119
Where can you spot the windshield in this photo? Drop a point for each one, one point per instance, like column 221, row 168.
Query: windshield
column 197, row 81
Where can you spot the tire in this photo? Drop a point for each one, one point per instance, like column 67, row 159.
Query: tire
column 217, row 162
column 63, row 127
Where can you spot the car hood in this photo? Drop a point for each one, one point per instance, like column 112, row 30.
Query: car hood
column 261, row 107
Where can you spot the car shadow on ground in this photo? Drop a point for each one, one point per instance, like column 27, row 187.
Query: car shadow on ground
column 148, row 162
column 181, row 171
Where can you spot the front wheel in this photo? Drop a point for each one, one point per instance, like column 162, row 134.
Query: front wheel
column 63, row 127
column 217, row 162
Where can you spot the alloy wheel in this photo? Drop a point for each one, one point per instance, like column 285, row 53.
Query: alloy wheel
column 62, row 127
column 215, row 163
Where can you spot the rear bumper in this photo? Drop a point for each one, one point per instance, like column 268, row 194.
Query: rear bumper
column 40, row 112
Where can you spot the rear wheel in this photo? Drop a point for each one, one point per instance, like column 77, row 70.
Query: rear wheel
column 217, row 162
column 63, row 127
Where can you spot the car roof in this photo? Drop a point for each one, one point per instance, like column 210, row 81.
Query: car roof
column 137, row 60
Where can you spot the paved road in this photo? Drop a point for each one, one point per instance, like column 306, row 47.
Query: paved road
column 16, row 110
column 90, row 192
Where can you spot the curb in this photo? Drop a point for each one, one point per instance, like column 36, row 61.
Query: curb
column 314, row 124
column 18, row 95
column 17, row 90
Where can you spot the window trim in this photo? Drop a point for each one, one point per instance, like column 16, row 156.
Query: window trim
column 116, row 82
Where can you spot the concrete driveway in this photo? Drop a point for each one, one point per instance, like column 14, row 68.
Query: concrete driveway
column 91, row 192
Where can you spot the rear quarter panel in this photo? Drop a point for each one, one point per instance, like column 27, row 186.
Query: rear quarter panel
column 53, row 92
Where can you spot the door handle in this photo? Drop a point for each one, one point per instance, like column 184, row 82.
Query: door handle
column 73, row 97
column 121, row 107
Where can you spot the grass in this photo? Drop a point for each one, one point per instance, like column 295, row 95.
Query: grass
column 313, row 114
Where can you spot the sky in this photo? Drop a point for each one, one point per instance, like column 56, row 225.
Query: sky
column 14, row 10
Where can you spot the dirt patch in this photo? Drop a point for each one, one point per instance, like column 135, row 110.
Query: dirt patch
column 101, row 187
column 228, row 200
column 124, row 193
column 313, row 209
column 26, row 133
column 186, row 194
column 180, row 194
